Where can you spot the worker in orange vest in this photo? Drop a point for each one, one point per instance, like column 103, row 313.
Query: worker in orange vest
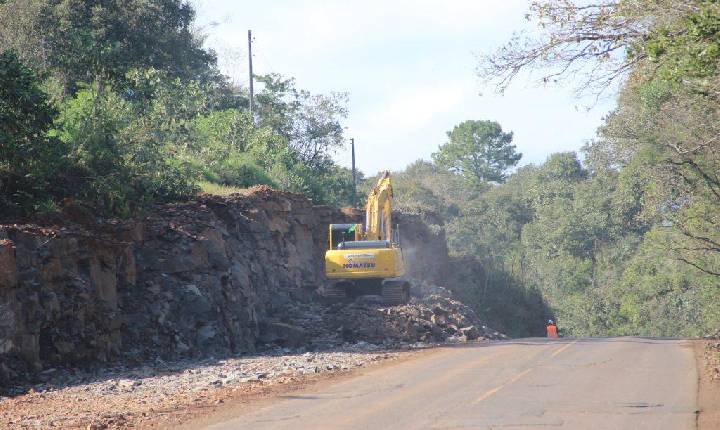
column 552, row 330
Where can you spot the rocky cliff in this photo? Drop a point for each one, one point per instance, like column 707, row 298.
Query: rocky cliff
column 190, row 279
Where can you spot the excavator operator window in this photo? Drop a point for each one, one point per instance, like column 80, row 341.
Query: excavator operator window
column 340, row 233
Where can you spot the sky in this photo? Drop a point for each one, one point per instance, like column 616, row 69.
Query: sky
column 409, row 68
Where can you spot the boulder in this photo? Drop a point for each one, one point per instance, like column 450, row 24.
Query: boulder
column 286, row 335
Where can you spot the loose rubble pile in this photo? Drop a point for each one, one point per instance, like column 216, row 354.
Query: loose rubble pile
column 300, row 340
column 434, row 318
column 119, row 398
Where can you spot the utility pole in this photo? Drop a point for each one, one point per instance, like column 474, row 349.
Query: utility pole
column 354, row 189
column 251, row 73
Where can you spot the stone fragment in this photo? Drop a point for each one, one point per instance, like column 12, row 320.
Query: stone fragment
column 283, row 334
column 8, row 266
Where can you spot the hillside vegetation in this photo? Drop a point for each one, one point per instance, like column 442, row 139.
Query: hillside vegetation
column 624, row 237
column 107, row 108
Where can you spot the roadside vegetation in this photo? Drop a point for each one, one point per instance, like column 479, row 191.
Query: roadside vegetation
column 102, row 107
column 622, row 238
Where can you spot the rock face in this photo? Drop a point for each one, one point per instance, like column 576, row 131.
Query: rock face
column 190, row 279
column 202, row 278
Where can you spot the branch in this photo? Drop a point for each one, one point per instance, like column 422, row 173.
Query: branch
column 708, row 271
column 686, row 233
column 573, row 35
column 713, row 184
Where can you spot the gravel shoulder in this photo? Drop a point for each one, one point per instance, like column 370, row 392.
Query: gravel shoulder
column 707, row 354
column 168, row 394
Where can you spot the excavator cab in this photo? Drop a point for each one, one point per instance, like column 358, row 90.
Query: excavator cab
column 341, row 233
column 367, row 259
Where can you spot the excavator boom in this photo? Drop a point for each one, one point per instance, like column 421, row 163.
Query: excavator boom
column 378, row 210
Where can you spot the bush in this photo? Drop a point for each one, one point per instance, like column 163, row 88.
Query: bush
column 28, row 158
column 121, row 160
column 241, row 170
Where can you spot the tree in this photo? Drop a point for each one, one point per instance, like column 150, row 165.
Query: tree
column 125, row 156
column 101, row 40
column 27, row 156
column 25, row 114
column 677, row 167
column 311, row 123
column 600, row 42
column 478, row 150
column 652, row 181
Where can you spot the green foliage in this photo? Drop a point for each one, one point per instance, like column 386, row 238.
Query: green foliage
column 28, row 158
column 24, row 112
column 309, row 123
column 334, row 187
column 570, row 242
column 239, row 170
column 498, row 297
column 86, row 41
column 144, row 115
column 689, row 47
column 120, row 163
column 479, row 151
column 661, row 297
column 628, row 243
column 481, row 226
column 233, row 151
column 425, row 189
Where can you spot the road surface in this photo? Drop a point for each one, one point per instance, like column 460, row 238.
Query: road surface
column 618, row 383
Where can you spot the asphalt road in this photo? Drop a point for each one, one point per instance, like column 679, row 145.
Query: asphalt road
column 619, row 383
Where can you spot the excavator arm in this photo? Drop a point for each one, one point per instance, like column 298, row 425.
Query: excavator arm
column 378, row 210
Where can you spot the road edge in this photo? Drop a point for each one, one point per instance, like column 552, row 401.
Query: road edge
column 708, row 394
column 235, row 404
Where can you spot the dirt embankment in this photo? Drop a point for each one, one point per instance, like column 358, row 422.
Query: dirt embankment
column 707, row 353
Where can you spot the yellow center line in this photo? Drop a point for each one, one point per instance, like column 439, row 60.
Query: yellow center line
column 515, row 378
column 556, row 353
column 386, row 402
column 500, row 387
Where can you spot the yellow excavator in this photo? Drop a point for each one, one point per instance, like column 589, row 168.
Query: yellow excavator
column 363, row 260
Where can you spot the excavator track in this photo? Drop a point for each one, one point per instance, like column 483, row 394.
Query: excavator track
column 395, row 292
column 335, row 292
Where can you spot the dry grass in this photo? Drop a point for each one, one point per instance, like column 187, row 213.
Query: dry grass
column 219, row 190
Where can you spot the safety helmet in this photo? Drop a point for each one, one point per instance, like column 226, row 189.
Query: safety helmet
column 551, row 322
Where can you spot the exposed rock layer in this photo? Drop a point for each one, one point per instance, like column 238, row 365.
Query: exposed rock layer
column 191, row 279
